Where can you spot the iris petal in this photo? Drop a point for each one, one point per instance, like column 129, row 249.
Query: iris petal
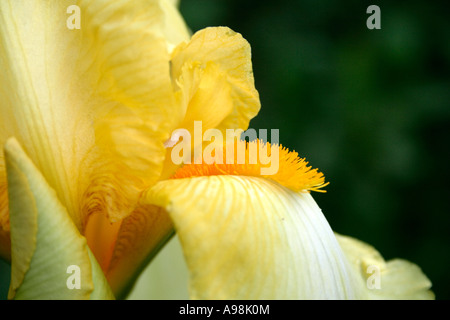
column 86, row 104
column 251, row 238
column 230, row 53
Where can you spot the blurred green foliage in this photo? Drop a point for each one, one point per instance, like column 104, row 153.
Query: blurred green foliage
column 369, row 108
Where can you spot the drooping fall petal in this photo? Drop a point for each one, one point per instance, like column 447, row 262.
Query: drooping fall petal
column 45, row 241
column 251, row 238
column 250, row 235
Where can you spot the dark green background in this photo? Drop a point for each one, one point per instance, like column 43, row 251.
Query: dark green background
column 369, row 108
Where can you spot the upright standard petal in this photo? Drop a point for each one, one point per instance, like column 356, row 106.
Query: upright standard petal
column 252, row 238
column 174, row 29
column 39, row 107
column 86, row 103
column 46, row 245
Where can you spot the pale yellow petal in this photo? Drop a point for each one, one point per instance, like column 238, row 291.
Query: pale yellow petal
column 38, row 106
column 208, row 95
column 395, row 279
column 45, row 243
column 251, row 238
column 87, row 103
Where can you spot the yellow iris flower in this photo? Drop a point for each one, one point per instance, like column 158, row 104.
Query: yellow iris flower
column 86, row 179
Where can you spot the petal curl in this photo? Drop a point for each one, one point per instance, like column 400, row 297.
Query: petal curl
column 214, row 84
column 230, row 54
